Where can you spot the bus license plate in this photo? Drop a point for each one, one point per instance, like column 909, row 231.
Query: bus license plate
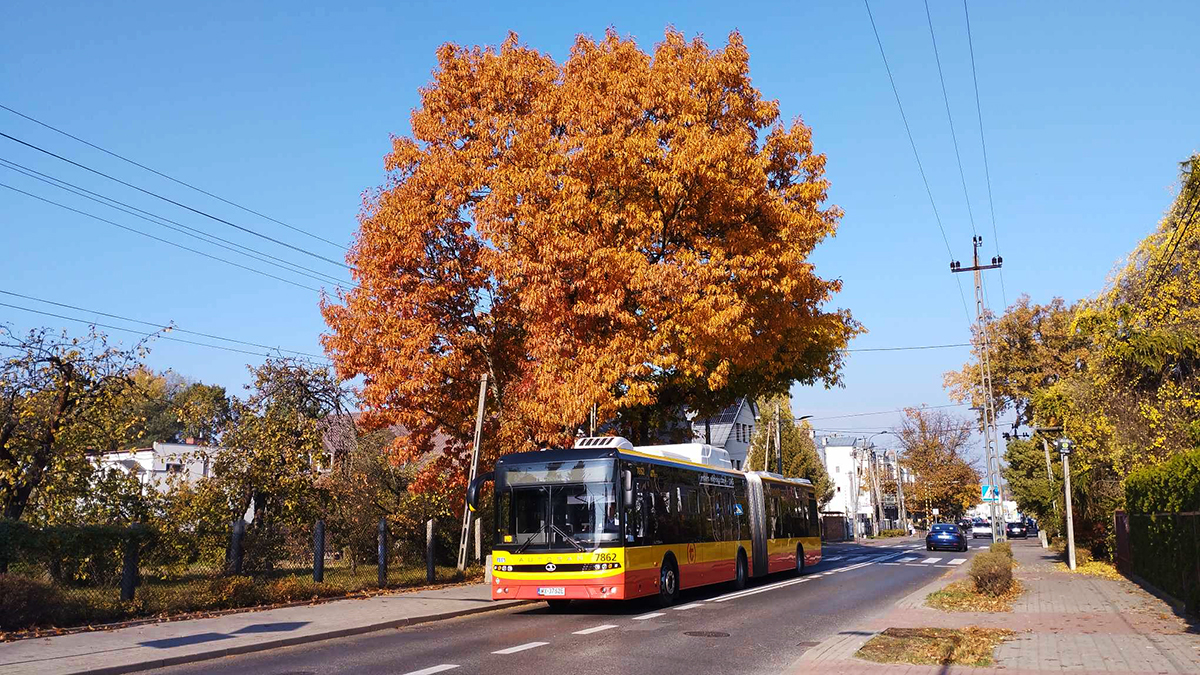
column 552, row 590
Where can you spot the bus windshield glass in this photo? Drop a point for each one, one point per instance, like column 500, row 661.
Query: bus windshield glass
column 558, row 506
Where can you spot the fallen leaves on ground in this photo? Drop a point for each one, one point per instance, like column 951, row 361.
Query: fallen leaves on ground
column 970, row 646
column 1094, row 568
column 961, row 597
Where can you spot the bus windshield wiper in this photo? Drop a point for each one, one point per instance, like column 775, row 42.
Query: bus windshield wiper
column 530, row 539
column 569, row 538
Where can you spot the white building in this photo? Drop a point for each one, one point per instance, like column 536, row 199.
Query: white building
column 730, row 430
column 154, row 465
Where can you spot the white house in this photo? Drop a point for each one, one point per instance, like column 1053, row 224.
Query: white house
column 731, row 430
column 154, row 465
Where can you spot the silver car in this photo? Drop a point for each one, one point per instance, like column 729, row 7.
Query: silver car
column 981, row 528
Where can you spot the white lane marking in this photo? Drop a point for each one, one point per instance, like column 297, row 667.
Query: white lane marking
column 832, row 558
column 958, row 561
column 648, row 616
column 782, row 584
column 890, row 563
column 594, row 629
column 908, row 559
column 929, row 561
column 520, row 648
column 691, row 606
column 433, row 669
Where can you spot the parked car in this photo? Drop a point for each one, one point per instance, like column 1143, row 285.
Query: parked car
column 964, row 524
column 981, row 528
column 945, row 535
column 1016, row 530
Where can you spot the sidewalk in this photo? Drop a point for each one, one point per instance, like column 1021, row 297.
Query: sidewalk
column 1063, row 623
column 155, row 645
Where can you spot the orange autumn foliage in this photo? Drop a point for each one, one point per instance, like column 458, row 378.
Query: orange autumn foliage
column 621, row 230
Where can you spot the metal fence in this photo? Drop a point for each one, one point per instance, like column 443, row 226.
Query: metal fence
column 1164, row 550
column 99, row 574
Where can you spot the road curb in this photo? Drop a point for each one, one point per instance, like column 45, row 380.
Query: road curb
column 298, row 640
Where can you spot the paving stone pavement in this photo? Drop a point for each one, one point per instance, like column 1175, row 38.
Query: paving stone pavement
column 1063, row 623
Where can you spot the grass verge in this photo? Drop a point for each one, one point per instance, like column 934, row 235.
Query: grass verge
column 961, row 597
column 970, row 646
column 1093, row 568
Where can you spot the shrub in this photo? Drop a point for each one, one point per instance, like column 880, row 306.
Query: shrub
column 27, row 602
column 231, row 592
column 891, row 533
column 991, row 573
column 1083, row 556
column 1173, row 486
column 1002, row 547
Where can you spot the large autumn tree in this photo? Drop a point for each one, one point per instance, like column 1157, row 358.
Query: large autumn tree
column 625, row 230
column 934, row 447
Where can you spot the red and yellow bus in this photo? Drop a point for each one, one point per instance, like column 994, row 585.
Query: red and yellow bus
column 607, row 520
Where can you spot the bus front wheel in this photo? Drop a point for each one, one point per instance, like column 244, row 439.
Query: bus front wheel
column 743, row 571
column 668, row 583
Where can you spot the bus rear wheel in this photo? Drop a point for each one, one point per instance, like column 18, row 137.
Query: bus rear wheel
column 558, row 606
column 668, row 583
column 799, row 559
column 743, row 571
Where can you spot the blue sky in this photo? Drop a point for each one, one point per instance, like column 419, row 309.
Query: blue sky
column 287, row 108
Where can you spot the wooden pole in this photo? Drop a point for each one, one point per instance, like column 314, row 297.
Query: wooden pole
column 466, row 523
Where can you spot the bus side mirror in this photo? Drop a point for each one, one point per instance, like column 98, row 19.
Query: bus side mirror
column 627, row 485
column 473, row 489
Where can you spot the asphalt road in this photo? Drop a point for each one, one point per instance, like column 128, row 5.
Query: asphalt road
column 762, row 629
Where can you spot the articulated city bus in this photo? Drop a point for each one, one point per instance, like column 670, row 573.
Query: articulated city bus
column 607, row 520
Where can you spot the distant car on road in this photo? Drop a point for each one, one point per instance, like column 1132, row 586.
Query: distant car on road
column 945, row 535
column 1016, row 530
column 981, row 528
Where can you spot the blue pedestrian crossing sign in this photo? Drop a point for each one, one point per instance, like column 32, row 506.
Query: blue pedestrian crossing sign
column 737, row 508
column 990, row 493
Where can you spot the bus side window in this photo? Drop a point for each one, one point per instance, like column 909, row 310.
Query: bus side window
column 814, row 524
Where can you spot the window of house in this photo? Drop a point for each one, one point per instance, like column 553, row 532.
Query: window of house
column 174, row 468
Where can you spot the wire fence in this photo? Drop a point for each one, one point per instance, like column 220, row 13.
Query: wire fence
column 71, row 576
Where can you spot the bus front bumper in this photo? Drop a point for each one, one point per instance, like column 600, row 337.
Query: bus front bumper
column 604, row 588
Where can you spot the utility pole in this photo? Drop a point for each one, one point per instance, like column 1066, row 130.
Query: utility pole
column 900, row 494
column 1043, row 431
column 466, row 523
column 1065, row 446
column 778, row 443
column 989, row 413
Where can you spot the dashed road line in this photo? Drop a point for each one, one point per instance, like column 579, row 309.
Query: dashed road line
column 908, row 559
column 521, row 648
column 648, row 616
column 930, row 561
column 442, row 667
column 595, row 629
column 681, row 608
column 958, row 561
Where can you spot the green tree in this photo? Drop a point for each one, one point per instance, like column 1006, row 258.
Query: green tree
column 1035, row 493
column 54, row 392
column 800, row 457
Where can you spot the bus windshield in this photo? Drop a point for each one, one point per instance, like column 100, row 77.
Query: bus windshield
column 558, row 506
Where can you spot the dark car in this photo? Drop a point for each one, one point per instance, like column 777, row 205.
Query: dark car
column 945, row 535
column 1016, row 530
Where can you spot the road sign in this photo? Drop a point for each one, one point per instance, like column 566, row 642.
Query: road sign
column 989, row 493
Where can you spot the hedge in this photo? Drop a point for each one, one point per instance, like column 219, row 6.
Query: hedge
column 1170, row 487
column 1164, row 542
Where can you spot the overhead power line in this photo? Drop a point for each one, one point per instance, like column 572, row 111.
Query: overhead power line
column 186, row 230
column 1184, row 223
column 171, row 178
column 987, row 173
column 916, row 155
column 180, row 205
column 890, row 412
column 160, row 239
column 950, row 118
column 135, row 332
column 914, row 348
column 163, row 326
